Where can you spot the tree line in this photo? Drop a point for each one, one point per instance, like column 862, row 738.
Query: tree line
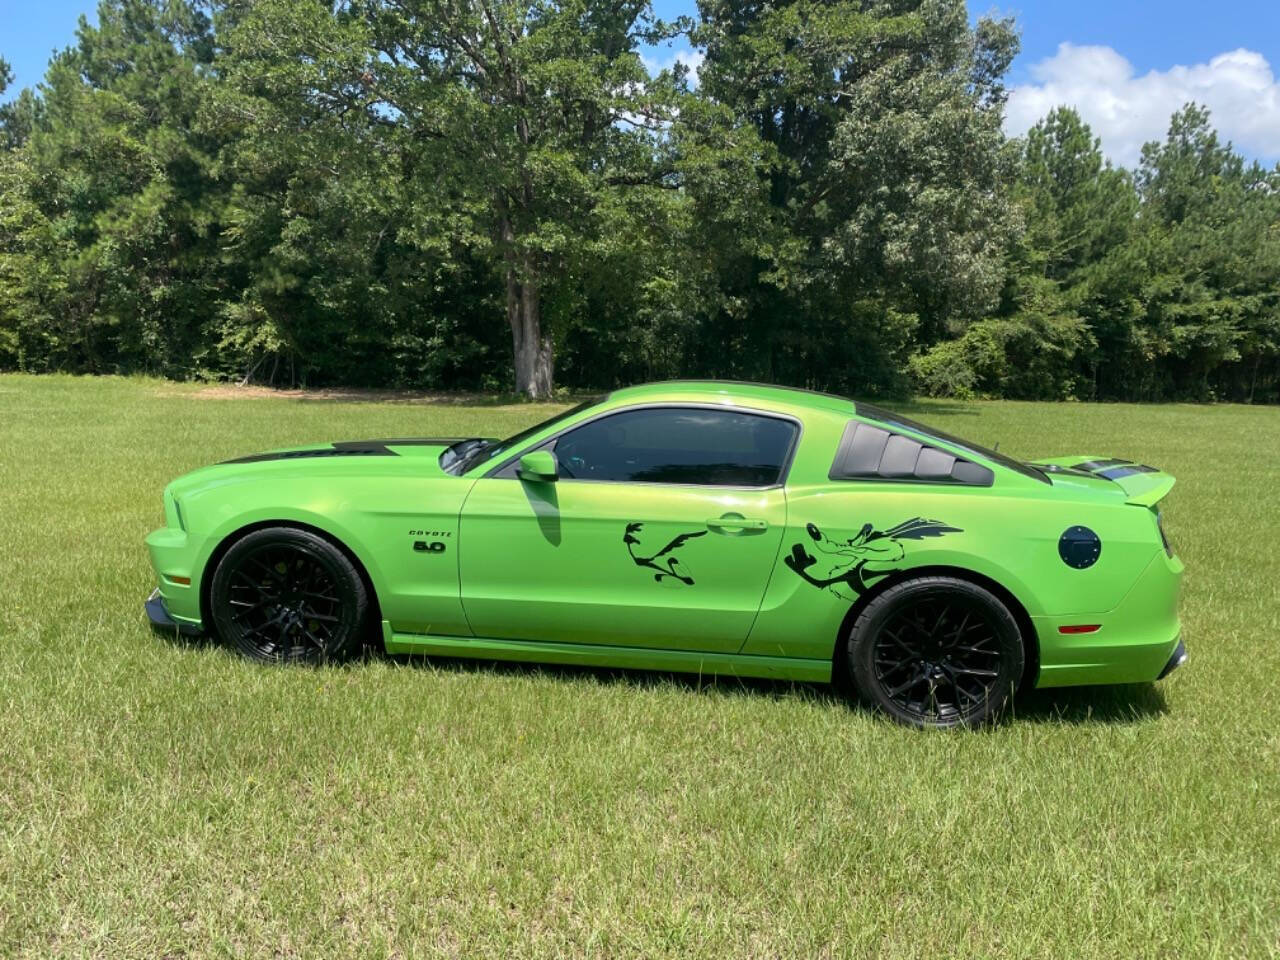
column 485, row 194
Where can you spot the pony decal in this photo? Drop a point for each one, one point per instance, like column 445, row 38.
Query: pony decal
column 848, row 567
column 665, row 562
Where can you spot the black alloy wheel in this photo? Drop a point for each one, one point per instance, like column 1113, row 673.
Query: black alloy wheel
column 284, row 595
column 937, row 652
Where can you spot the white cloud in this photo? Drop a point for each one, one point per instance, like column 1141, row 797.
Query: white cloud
column 1125, row 110
column 690, row 58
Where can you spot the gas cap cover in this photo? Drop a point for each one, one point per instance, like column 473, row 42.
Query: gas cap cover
column 1079, row 547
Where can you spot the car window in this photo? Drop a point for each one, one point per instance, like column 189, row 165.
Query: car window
column 869, row 452
column 678, row 445
column 484, row 451
column 891, row 419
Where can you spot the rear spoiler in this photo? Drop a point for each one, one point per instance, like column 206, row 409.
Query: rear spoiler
column 1143, row 486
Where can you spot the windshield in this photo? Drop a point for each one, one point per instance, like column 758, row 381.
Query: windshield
column 487, row 450
column 893, row 420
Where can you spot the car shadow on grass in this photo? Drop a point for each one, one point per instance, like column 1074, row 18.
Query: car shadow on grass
column 1125, row 704
column 1130, row 703
column 617, row 676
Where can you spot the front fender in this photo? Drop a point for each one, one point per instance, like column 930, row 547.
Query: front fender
column 376, row 516
column 179, row 555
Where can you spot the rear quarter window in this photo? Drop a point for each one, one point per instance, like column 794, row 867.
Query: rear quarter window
column 869, row 452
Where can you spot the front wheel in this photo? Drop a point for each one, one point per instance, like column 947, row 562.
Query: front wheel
column 937, row 652
column 287, row 595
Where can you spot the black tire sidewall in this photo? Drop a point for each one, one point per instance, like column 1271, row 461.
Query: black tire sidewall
column 351, row 592
column 860, row 647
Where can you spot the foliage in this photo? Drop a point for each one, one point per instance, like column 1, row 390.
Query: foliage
column 877, row 214
column 109, row 240
column 449, row 158
column 439, row 194
column 1161, row 284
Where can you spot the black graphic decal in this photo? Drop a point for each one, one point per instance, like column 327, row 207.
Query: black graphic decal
column 664, row 561
column 848, row 567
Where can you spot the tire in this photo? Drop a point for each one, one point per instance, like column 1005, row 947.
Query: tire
column 936, row 653
column 284, row 595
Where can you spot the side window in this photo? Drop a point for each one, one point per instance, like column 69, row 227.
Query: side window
column 678, row 445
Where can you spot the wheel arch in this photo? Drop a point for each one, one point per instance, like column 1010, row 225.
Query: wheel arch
column 1030, row 640
column 229, row 540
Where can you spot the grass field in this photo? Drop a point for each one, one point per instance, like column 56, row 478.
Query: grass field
column 160, row 799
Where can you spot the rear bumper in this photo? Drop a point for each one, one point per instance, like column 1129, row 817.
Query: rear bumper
column 1138, row 641
column 1178, row 659
column 160, row 619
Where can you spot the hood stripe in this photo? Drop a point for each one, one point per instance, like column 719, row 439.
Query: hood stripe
column 349, row 448
column 346, row 450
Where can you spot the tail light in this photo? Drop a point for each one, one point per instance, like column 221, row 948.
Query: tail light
column 1168, row 548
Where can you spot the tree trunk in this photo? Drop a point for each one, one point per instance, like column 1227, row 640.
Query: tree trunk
column 532, row 347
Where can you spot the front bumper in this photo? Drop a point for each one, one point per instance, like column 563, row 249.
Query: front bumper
column 176, row 561
column 160, row 619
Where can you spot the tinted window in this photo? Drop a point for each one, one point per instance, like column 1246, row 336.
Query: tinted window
column 664, row 445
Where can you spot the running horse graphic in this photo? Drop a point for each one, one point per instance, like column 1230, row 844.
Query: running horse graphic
column 849, row 567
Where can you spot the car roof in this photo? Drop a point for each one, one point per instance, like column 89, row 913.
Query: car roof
column 733, row 390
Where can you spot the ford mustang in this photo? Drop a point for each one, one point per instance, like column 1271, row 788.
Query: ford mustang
column 692, row 526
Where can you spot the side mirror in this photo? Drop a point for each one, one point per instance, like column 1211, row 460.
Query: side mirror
column 539, row 466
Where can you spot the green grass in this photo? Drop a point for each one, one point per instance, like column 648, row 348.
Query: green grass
column 160, row 799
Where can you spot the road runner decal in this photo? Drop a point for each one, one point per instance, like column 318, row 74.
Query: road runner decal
column 664, row 561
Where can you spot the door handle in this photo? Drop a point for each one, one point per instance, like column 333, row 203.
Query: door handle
column 731, row 522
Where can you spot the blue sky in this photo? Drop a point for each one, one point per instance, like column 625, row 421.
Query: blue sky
column 1181, row 32
column 1126, row 64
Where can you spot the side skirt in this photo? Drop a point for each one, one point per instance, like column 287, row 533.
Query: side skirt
column 592, row 655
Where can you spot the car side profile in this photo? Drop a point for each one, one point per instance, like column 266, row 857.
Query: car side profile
column 710, row 527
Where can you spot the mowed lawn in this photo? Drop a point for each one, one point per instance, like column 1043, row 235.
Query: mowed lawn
column 162, row 799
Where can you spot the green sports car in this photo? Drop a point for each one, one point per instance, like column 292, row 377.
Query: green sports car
column 697, row 526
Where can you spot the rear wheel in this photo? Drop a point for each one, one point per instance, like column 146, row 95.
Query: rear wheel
column 284, row 595
column 937, row 652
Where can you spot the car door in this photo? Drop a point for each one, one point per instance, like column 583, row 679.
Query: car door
column 661, row 530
